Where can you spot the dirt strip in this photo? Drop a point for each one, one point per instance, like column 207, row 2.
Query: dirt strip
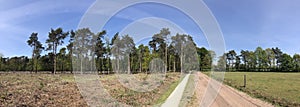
column 226, row 97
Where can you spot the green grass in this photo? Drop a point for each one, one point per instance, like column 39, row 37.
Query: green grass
column 281, row 89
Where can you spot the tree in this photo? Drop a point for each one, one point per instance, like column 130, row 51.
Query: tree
column 178, row 44
column 100, row 50
column 62, row 57
column 191, row 61
column 262, row 58
column 146, row 58
column 231, row 56
column 140, row 56
column 70, row 50
column 252, row 60
column 286, row 62
column 296, row 61
column 221, row 65
column 271, row 57
column 55, row 39
column 205, row 59
column 36, row 51
column 245, row 55
column 278, row 54
column 82, row 49
column 116, row 51
column 237, row 62
column 129, row 46
column 108, row 54
column 172, row 58
column 159, row 43
column 185, row 48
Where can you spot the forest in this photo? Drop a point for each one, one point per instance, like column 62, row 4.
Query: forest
column 109, row 55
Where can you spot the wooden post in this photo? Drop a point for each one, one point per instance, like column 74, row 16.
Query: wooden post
column 245, row 80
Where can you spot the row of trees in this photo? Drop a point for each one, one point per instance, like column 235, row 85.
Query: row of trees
column 117, row 54
column 270, row 59
column 88, row 51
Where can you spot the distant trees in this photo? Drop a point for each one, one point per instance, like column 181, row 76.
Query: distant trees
column 270, row 59
column 21, row 63
column 1, row 61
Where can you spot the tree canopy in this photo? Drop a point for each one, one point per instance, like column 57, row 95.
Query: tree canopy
column 95, row 51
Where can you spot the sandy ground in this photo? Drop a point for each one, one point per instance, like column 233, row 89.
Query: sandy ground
column 226, row 97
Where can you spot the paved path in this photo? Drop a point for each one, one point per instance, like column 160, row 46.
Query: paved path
column 175, row 97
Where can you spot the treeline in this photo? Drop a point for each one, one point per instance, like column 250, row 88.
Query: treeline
column 260, row 60
column 120, row 53
column 88, row 51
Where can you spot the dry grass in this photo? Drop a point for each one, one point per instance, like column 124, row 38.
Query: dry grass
column 24, row 89
column 134, row 98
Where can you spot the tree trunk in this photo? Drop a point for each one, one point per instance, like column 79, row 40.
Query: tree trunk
column 174, row 65
column 166, row 59
column 118, row 62
column 36, row 60
column 62, row 66
column 181, row 63
column 102, row 65
column 128, row 67
column 71, row 65
column 181, row 58
column 92, row 63
column 81, row 65
column 108, row 64
column 54, row 56
column 32, row 61
column 141, row 64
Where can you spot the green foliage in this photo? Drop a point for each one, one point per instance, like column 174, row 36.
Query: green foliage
column 286, row 63
column 36, row 51
column 100, row 53
column 270, row 59
column 205, row 58
column 55, row 39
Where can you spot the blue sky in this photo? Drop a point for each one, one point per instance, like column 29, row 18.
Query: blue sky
column 245, row 24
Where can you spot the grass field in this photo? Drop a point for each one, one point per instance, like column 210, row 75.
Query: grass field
column 281, row 89
column 25, row 89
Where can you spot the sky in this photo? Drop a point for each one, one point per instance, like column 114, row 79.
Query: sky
column 245, row 24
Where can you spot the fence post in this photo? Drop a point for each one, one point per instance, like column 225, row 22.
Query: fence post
column 245, row 80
